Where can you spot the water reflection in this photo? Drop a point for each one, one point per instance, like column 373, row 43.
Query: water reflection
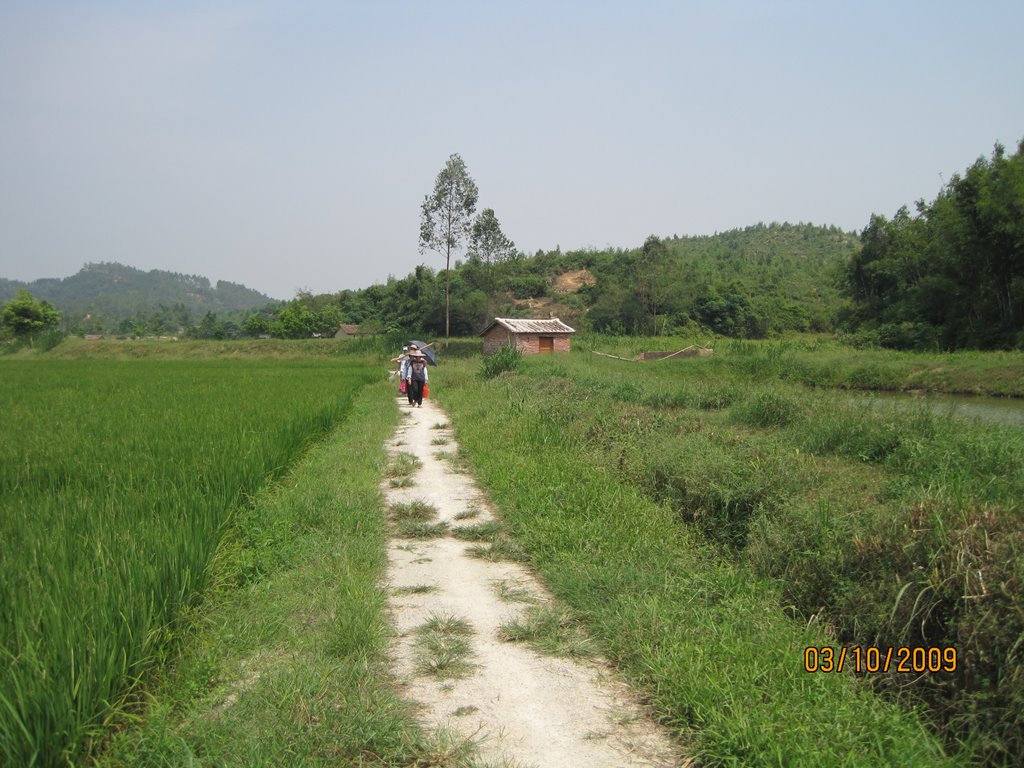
column 996, row 410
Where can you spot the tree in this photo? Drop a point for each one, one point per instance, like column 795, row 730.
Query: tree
column 446, row 219
column 488, row 245
column 24, row 316
column 487, row 242
column 652, row 278
column 256, row 325
column 295, row 321
column 209, row 327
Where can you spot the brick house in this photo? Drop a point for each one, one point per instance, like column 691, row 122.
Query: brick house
column 531, row 337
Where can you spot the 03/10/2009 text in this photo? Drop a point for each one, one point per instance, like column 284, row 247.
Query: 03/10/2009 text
column 855, row 658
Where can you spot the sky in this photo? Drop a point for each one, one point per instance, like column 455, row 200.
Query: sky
column 289, row 146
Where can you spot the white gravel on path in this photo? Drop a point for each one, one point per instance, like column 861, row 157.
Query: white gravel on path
column 520, row 707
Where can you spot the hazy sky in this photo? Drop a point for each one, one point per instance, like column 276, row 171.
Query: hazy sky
column 289, row 145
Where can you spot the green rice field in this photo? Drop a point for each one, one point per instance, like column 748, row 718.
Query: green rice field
column 116, row 481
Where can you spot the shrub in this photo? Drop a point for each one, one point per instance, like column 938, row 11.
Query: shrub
column 507, row 358
column 768, row 408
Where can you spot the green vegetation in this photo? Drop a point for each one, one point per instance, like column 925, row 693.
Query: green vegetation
column 442, row 647
column 446, row 220
column 709, row 518
column 509, row 591
column 417, row 510
column 549, row 629
column 951, row 276
column 754, row 282
column 117, row 480
column 416, row 529
column 401, row 469
column 487, row 531
column 502, row 548
column 28, row 321
column 758, row 281
column 704, row 519
column 506, row 358
column 287, row 664
column 820, row 362
column 113, row 298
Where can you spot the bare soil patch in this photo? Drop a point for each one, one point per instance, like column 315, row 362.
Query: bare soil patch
column 573, row 280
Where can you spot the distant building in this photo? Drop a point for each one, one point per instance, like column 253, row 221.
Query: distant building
column 347, row 332
column 531, row 337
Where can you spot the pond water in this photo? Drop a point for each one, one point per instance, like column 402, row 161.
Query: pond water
column 998, row 410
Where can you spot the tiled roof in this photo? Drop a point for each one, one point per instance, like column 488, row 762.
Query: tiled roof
column 524, row 325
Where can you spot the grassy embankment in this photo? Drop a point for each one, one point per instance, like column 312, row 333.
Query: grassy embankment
column 118, row 479
column 685, row 509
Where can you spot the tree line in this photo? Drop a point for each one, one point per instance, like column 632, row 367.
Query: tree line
column 748, row 283
column 951, row 274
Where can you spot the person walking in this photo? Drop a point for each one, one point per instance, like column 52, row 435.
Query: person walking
column 403, row 372
column 418, row 377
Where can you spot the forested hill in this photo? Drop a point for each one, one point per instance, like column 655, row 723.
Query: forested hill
column 746, row 283
column 104, row 294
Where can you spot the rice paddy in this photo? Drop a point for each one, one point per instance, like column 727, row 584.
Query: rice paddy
column 116, row 480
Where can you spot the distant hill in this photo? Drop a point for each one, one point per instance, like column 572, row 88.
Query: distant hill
column 754, row 282
column 743, row 282
column 105, row 294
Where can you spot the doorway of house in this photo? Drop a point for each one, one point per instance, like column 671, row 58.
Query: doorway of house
column 547, row 344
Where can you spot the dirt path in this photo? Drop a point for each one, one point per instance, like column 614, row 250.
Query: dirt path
column 520, row 707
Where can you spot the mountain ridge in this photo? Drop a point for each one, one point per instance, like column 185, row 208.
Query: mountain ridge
column 114, row 292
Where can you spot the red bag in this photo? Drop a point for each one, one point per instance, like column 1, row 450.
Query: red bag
column 426, row 391
column 401, row 387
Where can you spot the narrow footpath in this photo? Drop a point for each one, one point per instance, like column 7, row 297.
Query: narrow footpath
column 519, row 707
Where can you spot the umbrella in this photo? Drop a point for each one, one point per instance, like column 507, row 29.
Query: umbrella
column 426, row 350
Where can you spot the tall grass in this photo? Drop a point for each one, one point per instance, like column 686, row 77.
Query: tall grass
column 116, row 479
column 890, row 526
column 561, row 449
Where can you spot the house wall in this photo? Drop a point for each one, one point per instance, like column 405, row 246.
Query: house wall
column 495, row 339
column 527, row 343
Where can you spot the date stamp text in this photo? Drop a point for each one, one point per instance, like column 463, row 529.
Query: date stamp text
column 857, row 658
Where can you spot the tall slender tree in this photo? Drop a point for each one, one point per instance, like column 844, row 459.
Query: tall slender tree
column 446, row 219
